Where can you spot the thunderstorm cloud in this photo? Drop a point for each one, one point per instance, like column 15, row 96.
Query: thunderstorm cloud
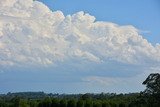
column 32, row 36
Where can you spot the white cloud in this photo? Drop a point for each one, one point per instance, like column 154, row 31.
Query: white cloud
column 86, row 55
column 116, row 84
column 112, row 81
column 104, row 81
column 33, row 35
column 120, row 84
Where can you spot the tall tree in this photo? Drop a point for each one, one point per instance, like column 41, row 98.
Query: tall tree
column 152, row 83
column 152, row 91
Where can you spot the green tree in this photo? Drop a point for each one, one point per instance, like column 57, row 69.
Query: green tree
column 45, row 103
column 152, row 91
column 88, row 103
column 16, row 101
column 105, row 104
column 55, row 102
column 63, row 103
column 71, row 103
column 23, row 103
column 80, row 103
column 33, row 103
column 122, row 104
column 152, row 83
column 97, row 104
column 113, row 104
column 2, row 103
column 85, row 96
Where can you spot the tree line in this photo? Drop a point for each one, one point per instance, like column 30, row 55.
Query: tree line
column 150, row 97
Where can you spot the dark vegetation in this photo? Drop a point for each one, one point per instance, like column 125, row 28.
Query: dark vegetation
column 150, row 97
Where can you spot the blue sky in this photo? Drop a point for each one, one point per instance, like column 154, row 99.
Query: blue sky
column 76, row 52
column 143, row 14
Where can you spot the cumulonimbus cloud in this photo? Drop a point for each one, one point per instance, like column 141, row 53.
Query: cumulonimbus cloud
column 33, row 35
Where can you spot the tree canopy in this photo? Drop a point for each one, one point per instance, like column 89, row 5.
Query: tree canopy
column 152, row 83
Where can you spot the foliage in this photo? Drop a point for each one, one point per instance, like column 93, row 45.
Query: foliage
column 91, row 100
column 151, row 94
column 153, row 84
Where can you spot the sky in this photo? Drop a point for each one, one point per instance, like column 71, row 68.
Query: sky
column 142, row 14
column 81, row 46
